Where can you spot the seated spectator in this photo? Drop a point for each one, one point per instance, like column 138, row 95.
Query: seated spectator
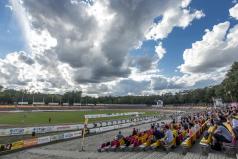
column 134, row 132
column 222, row 118
column 157, row 125
column 119, row 136
column 128, row 140
column 197, row 126
column 168, row 135
column 191, row 130
column 234, row 123
column 220, row 135
column 158, row 133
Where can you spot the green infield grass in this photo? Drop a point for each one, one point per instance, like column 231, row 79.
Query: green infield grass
column 67, row 117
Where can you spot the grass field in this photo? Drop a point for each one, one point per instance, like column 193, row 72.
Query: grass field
column 41, row 118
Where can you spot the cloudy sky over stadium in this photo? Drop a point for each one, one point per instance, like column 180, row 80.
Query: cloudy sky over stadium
column 116, row 47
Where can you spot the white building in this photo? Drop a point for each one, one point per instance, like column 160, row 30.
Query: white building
column 159, row 104
column 217, row 102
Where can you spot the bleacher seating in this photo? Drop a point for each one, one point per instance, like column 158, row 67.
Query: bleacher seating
column 138, row 144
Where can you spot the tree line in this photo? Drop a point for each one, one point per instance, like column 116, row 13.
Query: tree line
column 227, row 90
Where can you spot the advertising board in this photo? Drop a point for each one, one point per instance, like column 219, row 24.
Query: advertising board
column 54, row 138
column 43, row 140
column 104, row 124
column 109, row 123
column 68, row 135
column 17, row 145
column 29, row 142
column 16, row 131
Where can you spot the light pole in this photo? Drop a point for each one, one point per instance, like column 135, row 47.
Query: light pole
column 86, row 100
column 22, row 98
column 68, row 100
column 33, row 100
column 81, row 100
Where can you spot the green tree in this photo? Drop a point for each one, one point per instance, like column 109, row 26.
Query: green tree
column 230, row 83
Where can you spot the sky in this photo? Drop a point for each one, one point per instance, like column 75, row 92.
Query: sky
column 121, row 47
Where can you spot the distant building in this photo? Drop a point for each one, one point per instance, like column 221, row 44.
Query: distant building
column 159, row 104
column 53, row 103
column 23, row 103
column 77, row 104
column 217, row 102
column 38, row 103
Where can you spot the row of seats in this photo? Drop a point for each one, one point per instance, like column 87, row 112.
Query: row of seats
column 146, row 140
column 190, row 141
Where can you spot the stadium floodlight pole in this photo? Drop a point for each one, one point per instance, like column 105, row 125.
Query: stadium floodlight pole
column 33, row 100
column 22, row 98
column 73, row 97
column 81, row 100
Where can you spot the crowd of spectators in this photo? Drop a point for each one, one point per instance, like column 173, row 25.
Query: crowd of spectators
column 225, row 121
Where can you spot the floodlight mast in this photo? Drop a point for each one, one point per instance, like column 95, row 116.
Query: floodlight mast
column 22, row 98
column 33, row 100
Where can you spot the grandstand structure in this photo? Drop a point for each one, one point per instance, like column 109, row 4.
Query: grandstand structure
column 71, row 149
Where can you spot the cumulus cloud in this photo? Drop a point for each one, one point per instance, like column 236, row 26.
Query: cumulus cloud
column 234, row 12
column 217, row 49
column 209, row 58
column 173, row 18
column 179, row 16
column 94, row 39
column 141, row 63
column 85, row 44
column 8, row 6
column 130, row 87
column 96, row 90
column 185, row 3
column 19, row 70
column 161, row 83
column 160, row 51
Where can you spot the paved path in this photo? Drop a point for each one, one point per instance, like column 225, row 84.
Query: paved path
column 65, row 154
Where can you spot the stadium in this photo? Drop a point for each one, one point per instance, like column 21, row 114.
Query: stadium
column 118, row 79
column 57, row 139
